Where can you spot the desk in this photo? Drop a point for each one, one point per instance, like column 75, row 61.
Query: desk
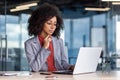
column 113, row 75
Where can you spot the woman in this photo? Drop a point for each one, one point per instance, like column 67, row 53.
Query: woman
column 45, row 51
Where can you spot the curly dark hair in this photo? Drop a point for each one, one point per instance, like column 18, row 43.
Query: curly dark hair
column 42, row 14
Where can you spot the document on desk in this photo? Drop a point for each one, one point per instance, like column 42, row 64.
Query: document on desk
column 21, row 73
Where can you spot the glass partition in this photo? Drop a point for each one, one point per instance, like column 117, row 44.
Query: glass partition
column 16, row 31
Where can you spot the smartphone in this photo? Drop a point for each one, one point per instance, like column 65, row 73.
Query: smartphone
column 46, row 73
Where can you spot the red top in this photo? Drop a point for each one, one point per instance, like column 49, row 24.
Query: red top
column 50, row 59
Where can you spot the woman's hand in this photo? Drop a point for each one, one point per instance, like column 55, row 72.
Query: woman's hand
column 47, row 41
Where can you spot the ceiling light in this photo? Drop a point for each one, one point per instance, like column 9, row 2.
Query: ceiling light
column 18, row 9
column 27, row 5
column 110, row 0
column 115, row 3
column 24, row 6
column 98, row 9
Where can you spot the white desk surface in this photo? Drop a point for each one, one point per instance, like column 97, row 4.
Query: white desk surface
column 113, row 75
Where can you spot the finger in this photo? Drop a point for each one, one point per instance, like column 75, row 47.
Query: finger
column 49, row 39
column 47, row 36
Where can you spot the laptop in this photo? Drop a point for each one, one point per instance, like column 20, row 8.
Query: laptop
column 87, row 61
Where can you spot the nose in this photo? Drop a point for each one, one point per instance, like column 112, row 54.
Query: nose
column 52, row 26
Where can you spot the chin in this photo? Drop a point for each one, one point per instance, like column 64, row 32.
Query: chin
column 50, row 33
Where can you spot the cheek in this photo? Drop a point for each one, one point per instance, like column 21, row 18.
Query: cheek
column 46, row 27
column 55, row 28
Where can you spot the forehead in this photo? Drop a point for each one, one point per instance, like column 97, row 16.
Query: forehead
column 53, row 19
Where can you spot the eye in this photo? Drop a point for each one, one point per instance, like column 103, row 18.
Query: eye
column 49, row 23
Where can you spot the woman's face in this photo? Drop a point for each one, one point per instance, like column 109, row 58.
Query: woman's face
column 49, row 26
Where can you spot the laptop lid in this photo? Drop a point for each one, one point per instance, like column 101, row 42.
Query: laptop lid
column 87, row 60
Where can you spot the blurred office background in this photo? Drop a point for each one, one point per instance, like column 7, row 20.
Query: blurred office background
column 83, row 28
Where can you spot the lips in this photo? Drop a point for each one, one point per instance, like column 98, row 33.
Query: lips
column 51, row 31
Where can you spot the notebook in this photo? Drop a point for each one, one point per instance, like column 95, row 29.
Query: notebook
column 87, row 61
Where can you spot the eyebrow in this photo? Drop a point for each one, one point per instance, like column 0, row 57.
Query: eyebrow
column 51, row 21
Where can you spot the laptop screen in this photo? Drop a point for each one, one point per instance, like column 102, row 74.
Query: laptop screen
column 87, row 60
